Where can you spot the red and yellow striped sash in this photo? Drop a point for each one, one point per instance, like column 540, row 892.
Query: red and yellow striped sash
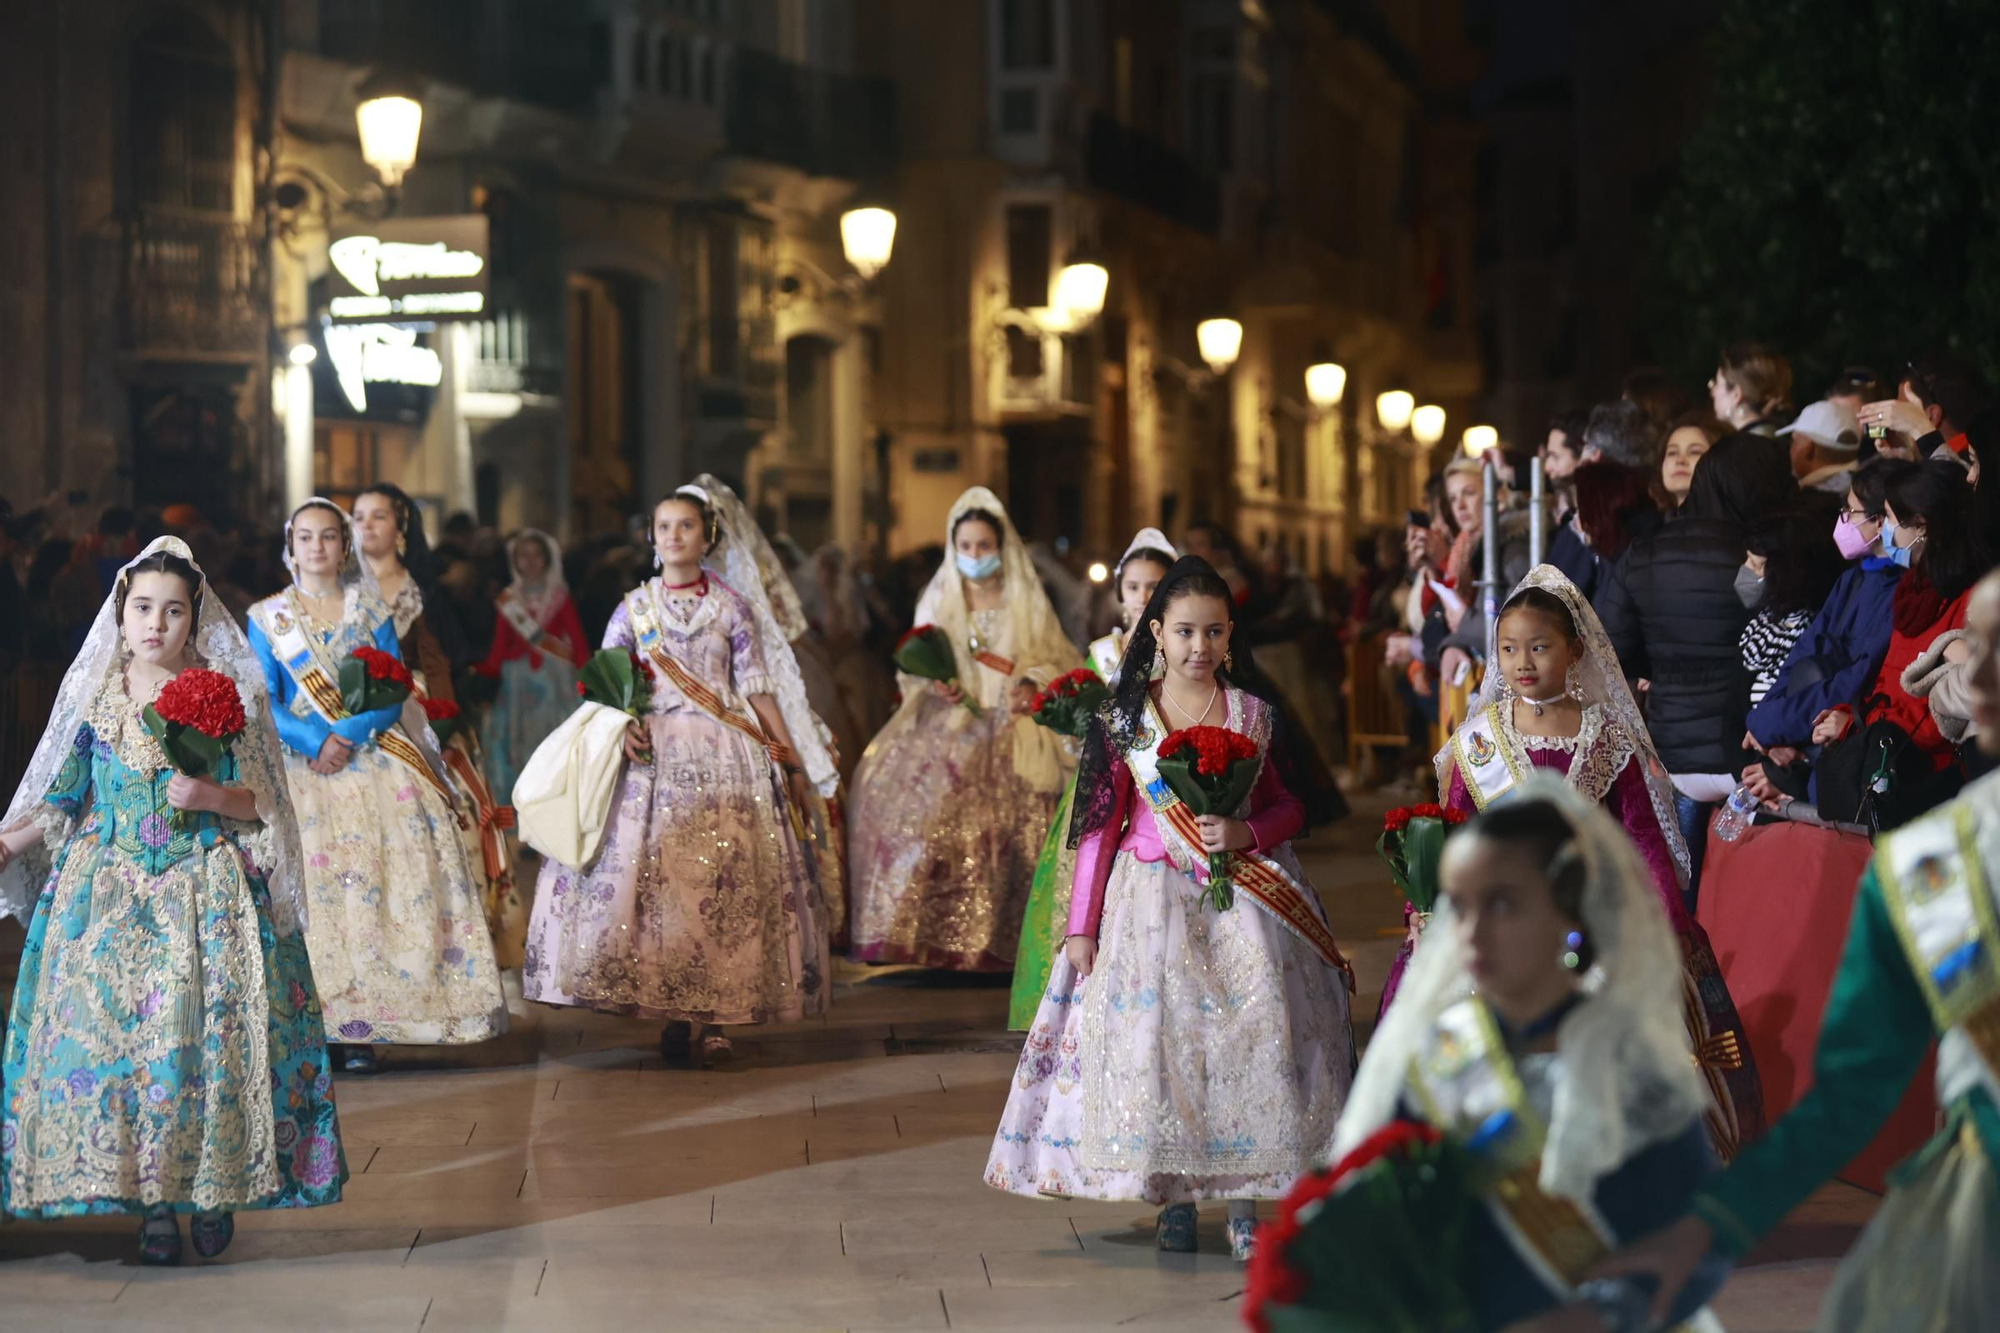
column 1267, row 884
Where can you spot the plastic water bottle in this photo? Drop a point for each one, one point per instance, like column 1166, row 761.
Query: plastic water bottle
column 1735, row 815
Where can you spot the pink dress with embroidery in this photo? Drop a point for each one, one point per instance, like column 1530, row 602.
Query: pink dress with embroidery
column 1208, row 1054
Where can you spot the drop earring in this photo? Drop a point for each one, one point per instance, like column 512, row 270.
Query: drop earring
column 659, row 561
column 1573, row 681
column 1159, row 658
column 1228, row 660
column 402, row 546
column 1572, row 957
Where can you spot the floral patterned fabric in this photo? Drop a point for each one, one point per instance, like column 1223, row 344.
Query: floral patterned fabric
column 165, row 1045
column 702, row 903
column 395, row 925
column 1207, row 1056
column 944, row 830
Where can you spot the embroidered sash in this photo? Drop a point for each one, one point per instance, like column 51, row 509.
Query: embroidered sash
column 1467, row 1085
column 1490, row 768
column 302, row 662
column 1941, row 902
column 646, row 625
column 992, row 661
column 1263, row 880
column 517, row 615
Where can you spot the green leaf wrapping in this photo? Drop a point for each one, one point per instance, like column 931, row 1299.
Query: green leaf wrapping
column 609, row 678
column 1204, row 794
column 1384, row 1252
column 1069, row 715
column 928, row 653
column 191, row 753
column 1412, row 854
column 362, row 693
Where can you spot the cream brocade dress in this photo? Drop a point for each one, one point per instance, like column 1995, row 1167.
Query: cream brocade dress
column 395, row 924
column 702, row 904
column 943, row 833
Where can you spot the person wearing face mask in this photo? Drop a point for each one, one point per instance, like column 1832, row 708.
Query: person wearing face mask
column 1931, row 530
column 1918, row 968
column 166, row 1052
column 949, row 808
column 1839, row 651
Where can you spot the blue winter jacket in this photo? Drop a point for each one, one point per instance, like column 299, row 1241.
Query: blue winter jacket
column 1835, row 659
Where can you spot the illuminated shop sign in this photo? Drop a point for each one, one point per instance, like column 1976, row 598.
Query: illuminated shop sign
column 365, row 354
column 409, row 269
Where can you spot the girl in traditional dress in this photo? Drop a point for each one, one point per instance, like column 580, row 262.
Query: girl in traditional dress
column 949, row 809
column 538, row 647
column 1555, row 698
column 397, row 931
column 748, row 564
column 701, row 906
column 390, row 533
column 1540, row 1029
column 1138, row 574
column 1181, row 1052
column 165, row 1054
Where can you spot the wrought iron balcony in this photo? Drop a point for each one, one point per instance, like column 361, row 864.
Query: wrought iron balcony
column 1142, row 170
column 194, row 286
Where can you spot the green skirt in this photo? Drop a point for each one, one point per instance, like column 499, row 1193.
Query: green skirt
column 1046, row 924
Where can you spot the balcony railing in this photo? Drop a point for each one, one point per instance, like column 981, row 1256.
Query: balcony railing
column 1139, row 168
column 820, row 122
column 194, row 285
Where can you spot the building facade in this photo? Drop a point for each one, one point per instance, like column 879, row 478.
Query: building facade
column 659, row 183
column 1275, row 162
column 136, row 317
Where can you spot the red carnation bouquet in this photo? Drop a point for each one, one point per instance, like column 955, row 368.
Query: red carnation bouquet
column 1067, row 703
column 1373, row 1244
column 371, row 680
column 444, row 718
column 617, row 678
column 1412, row 842
column 926, row 652
column 196, row 720
column 1211, row 769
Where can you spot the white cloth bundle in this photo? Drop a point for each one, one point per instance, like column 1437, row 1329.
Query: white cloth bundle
column 562, row 800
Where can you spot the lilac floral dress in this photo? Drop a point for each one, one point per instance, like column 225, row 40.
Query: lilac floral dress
column 702, row 903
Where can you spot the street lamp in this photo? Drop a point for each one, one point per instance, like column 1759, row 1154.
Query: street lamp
column 389, row 118
column 868, row 237
column 1478, row 439
column 1326, row 384
column 1080, row 290
column 1427, row 424
column 1220, row 341
column 1393, row 409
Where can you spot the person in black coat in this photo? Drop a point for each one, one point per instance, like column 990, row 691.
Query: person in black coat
column 1673, row 613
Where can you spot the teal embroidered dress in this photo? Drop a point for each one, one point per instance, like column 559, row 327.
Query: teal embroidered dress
column 165, row 1045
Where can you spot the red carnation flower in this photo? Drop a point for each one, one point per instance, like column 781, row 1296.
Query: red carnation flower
column 582, row 690
column 440, row 710
column 1396, row 820
column 206, row 701
column 1428, row 811
column 1454, row 815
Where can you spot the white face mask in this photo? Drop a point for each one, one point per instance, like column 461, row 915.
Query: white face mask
column 980, row 567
